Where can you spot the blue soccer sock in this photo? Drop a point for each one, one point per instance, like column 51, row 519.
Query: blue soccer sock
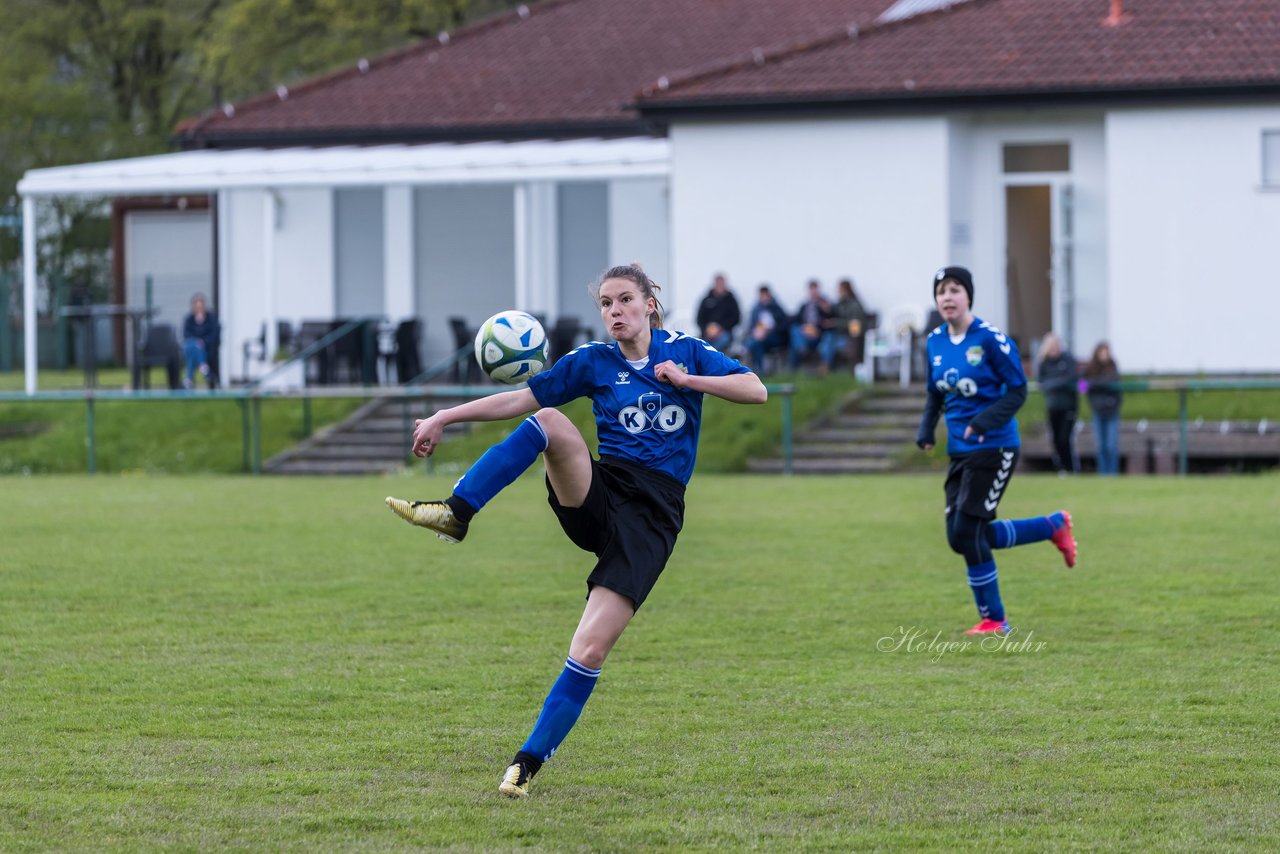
column 561, row 709
column 1007, row 533
column 986, row 591
column 501, row 464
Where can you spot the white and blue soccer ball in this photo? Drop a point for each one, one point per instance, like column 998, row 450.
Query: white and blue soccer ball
column 511, row 346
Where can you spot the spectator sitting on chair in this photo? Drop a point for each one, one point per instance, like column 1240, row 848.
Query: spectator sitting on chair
column 768, row 329
column 719, row 314
column 848, row 326
column 810, row 323
column 201, row 334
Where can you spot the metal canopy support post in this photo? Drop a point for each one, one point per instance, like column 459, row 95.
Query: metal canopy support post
column 29, row 351
column 270, row 214
column 1182, row 430
column 256, row 402
column 90, row 435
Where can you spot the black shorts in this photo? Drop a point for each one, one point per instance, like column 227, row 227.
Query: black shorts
column 976, row 482
column 629, row 520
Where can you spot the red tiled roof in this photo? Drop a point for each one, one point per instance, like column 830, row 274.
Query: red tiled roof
column 1003, row 48
column 567, row 66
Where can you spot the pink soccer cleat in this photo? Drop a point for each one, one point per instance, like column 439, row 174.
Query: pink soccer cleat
column 987, row 627
column 1065, row 541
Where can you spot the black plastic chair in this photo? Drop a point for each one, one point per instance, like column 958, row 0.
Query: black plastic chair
column 408, row 352
column 465, row 370
column 562, row 337
column 160, row 347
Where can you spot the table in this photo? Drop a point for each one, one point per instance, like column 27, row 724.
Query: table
column 88, row 314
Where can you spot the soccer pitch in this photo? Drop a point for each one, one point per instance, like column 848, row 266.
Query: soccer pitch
column 266, row 664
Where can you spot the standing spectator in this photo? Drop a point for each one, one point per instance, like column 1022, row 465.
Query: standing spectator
column 847, row 327
column 719, row 314
column 1058, row 376
column 1101, row 384
column 810, row 323
column 768, row 329
column 976, row 378
column 201, row 335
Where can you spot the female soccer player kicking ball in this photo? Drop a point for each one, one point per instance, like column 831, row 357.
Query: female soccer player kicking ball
column 646, row 389
column 975, row 375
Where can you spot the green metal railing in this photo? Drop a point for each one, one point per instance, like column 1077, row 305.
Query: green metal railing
column 1186, row 387
column 250, row 398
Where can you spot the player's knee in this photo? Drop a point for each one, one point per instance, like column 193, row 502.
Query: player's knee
column 588, row 653
column 553, row 421
column 963, row 534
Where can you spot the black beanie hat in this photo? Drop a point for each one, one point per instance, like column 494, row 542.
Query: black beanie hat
column 960, row 274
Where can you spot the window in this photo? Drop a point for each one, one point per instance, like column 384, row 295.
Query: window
column 1050, row 157
column 1271, row 158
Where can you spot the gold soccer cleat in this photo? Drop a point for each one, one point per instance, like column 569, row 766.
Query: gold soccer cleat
column 433, row 515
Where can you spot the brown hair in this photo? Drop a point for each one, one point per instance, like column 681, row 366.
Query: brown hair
column 1099, row 366
column 635, row 274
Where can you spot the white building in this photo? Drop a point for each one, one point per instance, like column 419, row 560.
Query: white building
column 1105, row 172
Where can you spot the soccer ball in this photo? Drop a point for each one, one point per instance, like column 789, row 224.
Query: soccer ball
column 511, row 346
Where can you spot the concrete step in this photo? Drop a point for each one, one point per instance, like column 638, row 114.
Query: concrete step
column 913, row 404
column 332, row 467
column 845, row 450
column 901, row 420
column 394, row 452
column 886, row 436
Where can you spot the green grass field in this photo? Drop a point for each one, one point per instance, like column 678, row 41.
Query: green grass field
column 204, row 663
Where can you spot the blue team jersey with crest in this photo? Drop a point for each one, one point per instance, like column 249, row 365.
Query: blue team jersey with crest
column 638, row 417
column 970, row 376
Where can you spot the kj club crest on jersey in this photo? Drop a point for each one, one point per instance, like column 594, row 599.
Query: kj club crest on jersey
column 650, row 413
column 974, row 355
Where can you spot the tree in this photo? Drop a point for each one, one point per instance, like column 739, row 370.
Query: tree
column 87, row 80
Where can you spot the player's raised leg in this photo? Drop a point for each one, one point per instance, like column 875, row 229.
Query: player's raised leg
column 490, row 474
column 1007, row 533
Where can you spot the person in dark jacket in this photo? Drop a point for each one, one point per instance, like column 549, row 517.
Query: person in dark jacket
column 1058, row 376
column 768, row 326
column 719, row 314
column 811, row 322
column 201, row 335
column 1101, row 385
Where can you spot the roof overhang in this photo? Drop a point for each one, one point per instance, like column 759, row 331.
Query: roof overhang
column 208, row 171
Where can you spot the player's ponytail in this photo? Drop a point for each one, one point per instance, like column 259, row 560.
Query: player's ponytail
column 635, row 274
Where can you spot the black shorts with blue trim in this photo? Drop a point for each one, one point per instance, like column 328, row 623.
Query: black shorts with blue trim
column 629, row 520
column 976, row 481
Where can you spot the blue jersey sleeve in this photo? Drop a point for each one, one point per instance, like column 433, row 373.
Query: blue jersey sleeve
column 710, row 362
column 1006, row 361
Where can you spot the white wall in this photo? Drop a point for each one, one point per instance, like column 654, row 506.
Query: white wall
column 639, row 230
column 303, row 269
column 241, row 302
column 465, row 264
column 1194, row 240
column 783, row 201
column 359, row 251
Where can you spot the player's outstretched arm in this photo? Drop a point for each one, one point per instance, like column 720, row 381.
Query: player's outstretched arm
column 496, row 407
column 735, row 388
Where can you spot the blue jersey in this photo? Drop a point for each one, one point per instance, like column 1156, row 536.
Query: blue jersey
column 971, row 375
column 638, row 417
